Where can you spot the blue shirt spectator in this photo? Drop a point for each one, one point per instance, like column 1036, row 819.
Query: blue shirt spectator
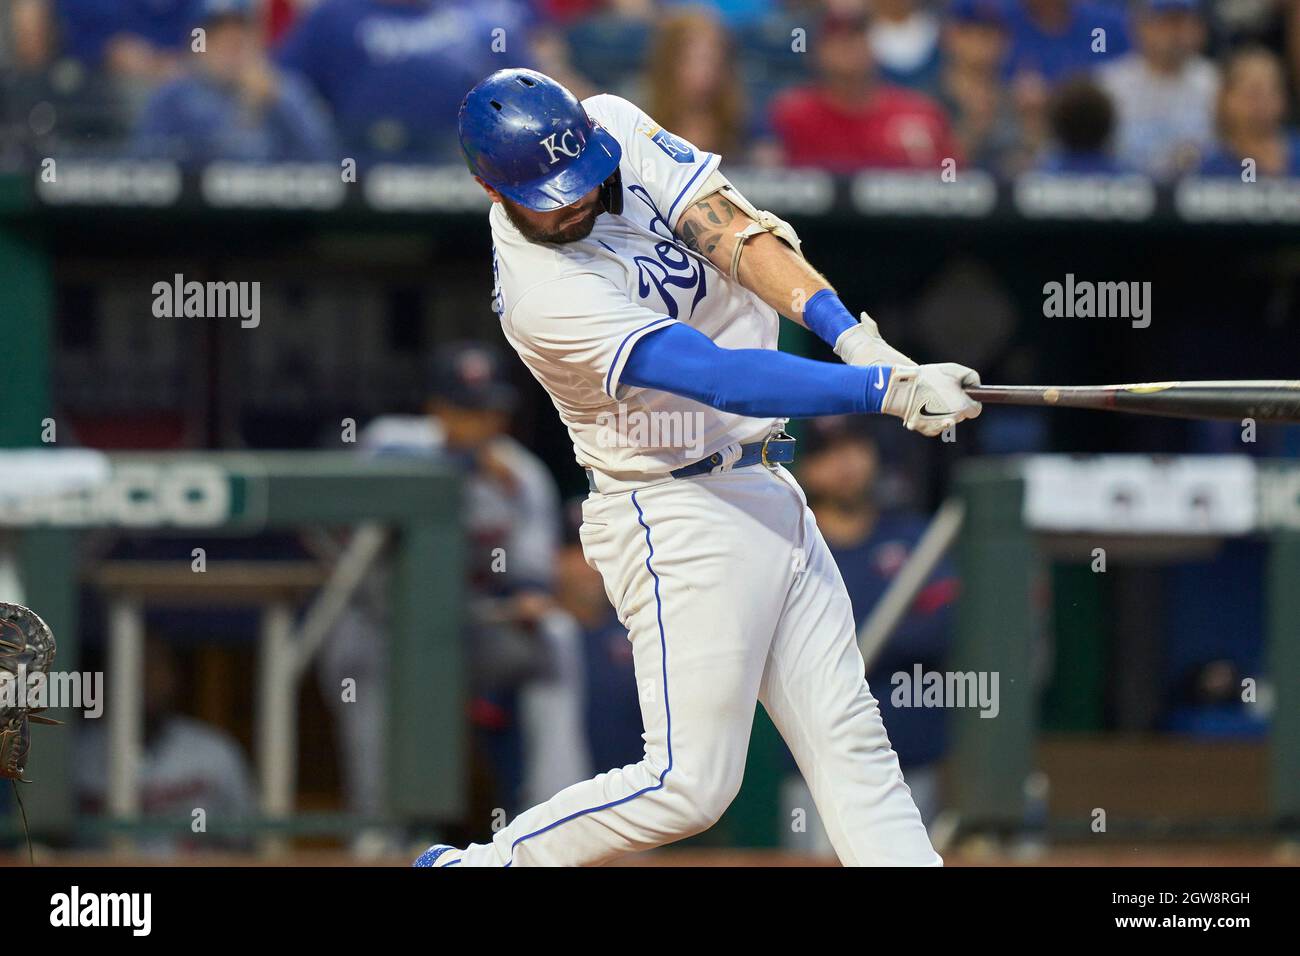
column 199, row 120
column 737, row 13
column 1251, row 113
column 88, row 26
column 1224, row 161
column 1055, row 38
column 395, row 71
column 234, row 105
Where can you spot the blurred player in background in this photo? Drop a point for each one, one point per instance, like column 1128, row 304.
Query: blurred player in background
column 840, row 472
column 613, row 711
column 525, row 677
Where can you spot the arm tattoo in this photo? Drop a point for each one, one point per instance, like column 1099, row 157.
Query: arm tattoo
column 704, row 224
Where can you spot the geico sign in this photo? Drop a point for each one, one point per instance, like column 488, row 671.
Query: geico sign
column 136, row 495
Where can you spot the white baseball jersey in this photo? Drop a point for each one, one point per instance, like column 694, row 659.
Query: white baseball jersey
column 573, row 311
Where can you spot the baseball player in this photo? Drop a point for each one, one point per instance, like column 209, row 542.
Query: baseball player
column 644, row 293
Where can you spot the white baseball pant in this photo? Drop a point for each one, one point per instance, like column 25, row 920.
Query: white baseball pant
column 730, row 596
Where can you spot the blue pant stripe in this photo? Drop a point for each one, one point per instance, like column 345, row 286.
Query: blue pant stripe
column 663, row 656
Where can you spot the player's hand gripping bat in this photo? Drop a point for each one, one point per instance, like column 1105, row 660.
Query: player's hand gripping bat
column 1277, row 401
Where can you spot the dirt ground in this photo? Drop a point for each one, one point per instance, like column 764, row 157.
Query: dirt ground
column 1219, row 854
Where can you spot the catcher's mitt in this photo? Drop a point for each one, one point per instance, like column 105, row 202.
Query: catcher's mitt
column 26, row 648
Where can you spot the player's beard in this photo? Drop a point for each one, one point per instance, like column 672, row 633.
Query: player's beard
column 569, row 232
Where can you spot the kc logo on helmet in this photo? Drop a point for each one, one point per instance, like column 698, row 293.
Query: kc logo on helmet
column 563, row 146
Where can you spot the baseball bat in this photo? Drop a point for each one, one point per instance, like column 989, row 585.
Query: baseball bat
column 1263, row 401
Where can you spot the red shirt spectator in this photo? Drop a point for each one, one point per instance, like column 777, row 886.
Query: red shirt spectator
column 848, row 120
column 891, row 127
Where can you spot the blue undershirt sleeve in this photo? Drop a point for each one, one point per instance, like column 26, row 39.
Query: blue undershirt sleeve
column 826, row 316
column 759, row 383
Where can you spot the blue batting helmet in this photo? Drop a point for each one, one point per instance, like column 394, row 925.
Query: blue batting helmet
column 529, row 138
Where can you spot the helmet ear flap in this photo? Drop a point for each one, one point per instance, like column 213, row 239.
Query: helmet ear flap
column 611, row 193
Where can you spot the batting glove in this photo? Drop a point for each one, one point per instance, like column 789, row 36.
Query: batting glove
column 929, row 398
column 861, row 344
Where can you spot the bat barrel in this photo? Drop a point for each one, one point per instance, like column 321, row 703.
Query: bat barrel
column 1277, row 402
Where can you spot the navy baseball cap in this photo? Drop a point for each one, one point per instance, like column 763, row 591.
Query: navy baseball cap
column 991, row 12
column 471, row 375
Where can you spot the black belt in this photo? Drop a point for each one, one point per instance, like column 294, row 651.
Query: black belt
column 776, row 449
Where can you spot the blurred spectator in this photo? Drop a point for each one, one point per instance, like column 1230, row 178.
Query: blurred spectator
column 849, row 120
column 905, row 43
column 394, row 71
column 1251, row 119
column 695, row 89
column 1164, row 92
column 27, row 43
column 972, row 87
column 1269, row 23
column 279, row 16
column 736, row 13
column 186, row 766
column 233, row 104
column 30, row 40
column 525, row 678
column 113, row 56
column 839, row 469
column 1057, row 38
column 1082, row 120
column 567, row 11
column 134, row 40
